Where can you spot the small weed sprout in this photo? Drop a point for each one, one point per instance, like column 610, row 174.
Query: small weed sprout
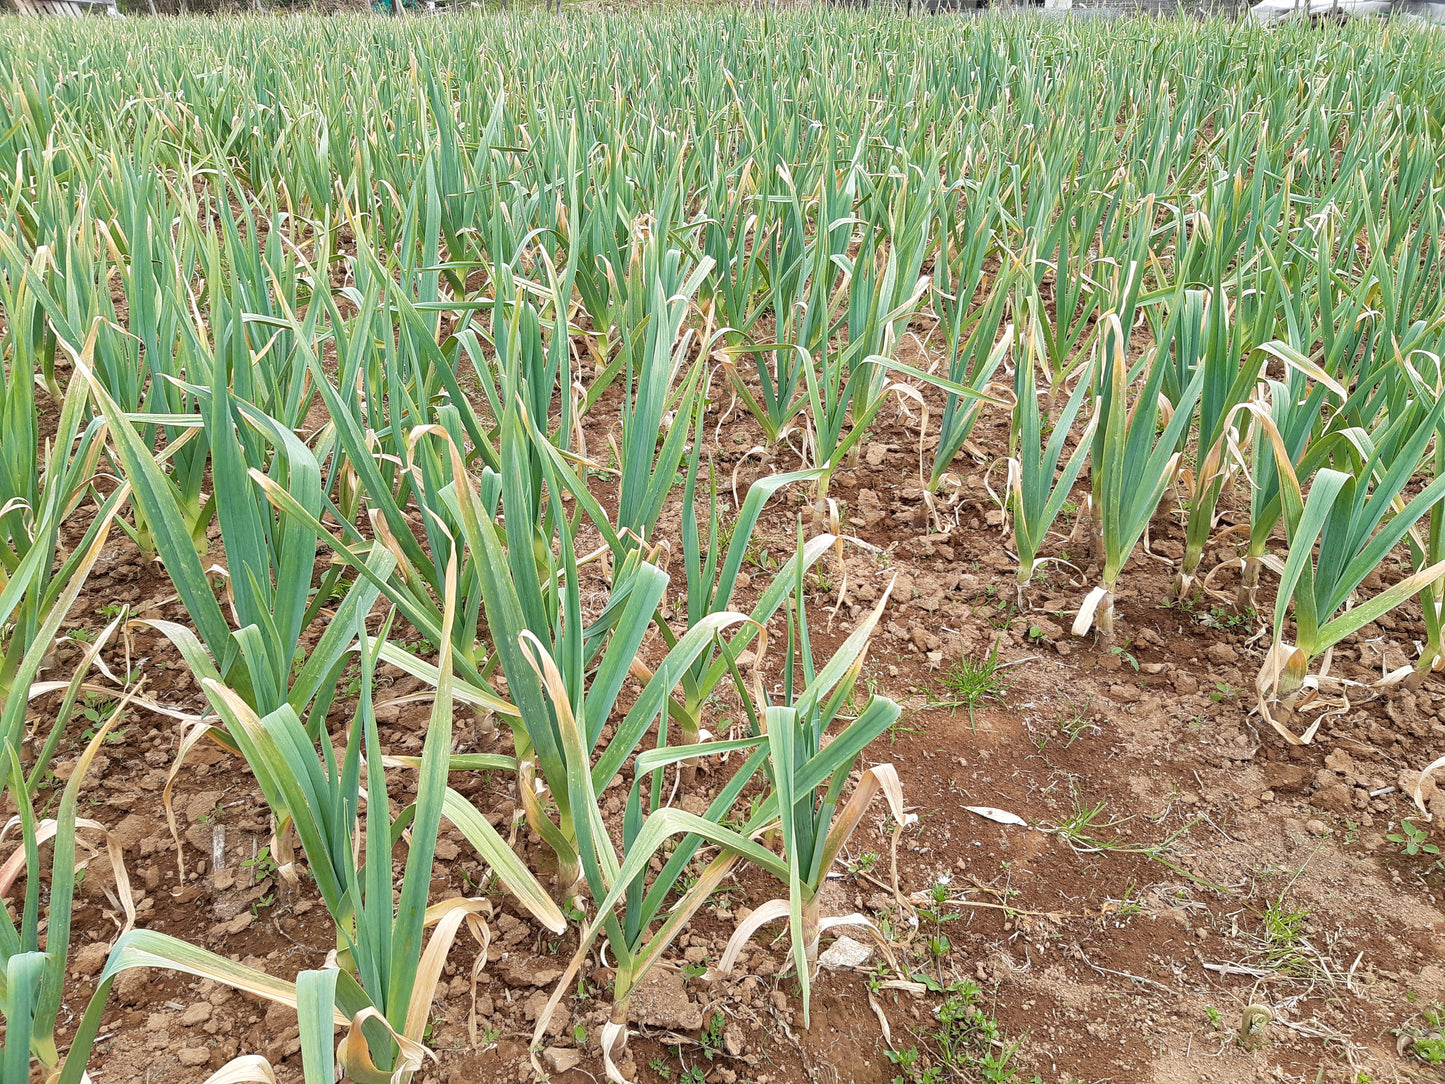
column 935, row 912
column 967, row 1043
column 972, row 681
column 1411, row 838
column 864, row 863
column 1428, row 1043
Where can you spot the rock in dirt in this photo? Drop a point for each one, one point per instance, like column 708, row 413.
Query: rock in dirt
column 1402, row 708
column 90, row 958
column 517, row 973
column 1336, row 799
column 536, row 1005
column 133, row 986
column 560, row 1059
column 1221, row 653
column 279, row 1017
column 512, row 929
column 200, row 835
column 734, row 1042
column 845, row 953
column 661, row 1001
column 997, row 560
column 869, row 510
column 234, row 926
column 1407, row 780
column 201, row 805
column 194, row 1056
column 287, row 1044
column 1287, row 777
column 130, row 831
column 447, row 851
column 1049, row 630
column 198, row 1013
column 1317, row 828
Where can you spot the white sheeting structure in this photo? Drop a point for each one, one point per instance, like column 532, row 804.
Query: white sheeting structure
column 1273, row 11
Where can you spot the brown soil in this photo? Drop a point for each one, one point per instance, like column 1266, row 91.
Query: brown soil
column 1127, row 962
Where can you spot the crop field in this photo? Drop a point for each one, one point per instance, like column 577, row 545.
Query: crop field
column 721, row 547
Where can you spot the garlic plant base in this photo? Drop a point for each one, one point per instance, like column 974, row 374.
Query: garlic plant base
column 760, row 917
column 353, row 1054
column 775, row 910
column 1285, row 690
column 1424, row 669
column 243, row 1070
column 1276, row 713
column 1247, row 594
column 1183, row 585
column 614, row 1037
column 1085, row 618
column 1219, row 594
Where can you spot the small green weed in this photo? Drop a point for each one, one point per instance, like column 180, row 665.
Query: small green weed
column 1429, row 1045
column 965, row 1044
column 1430, row 1051
column 1411, row 838
column 971, row 681
column 711, row 1038
column 262, row 865
column 1282, row 935
column 936, row 912
column 864, row 863
column 1074, row 721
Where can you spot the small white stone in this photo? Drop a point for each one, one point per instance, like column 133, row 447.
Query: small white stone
column 561, row 1059
column 845, row 953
